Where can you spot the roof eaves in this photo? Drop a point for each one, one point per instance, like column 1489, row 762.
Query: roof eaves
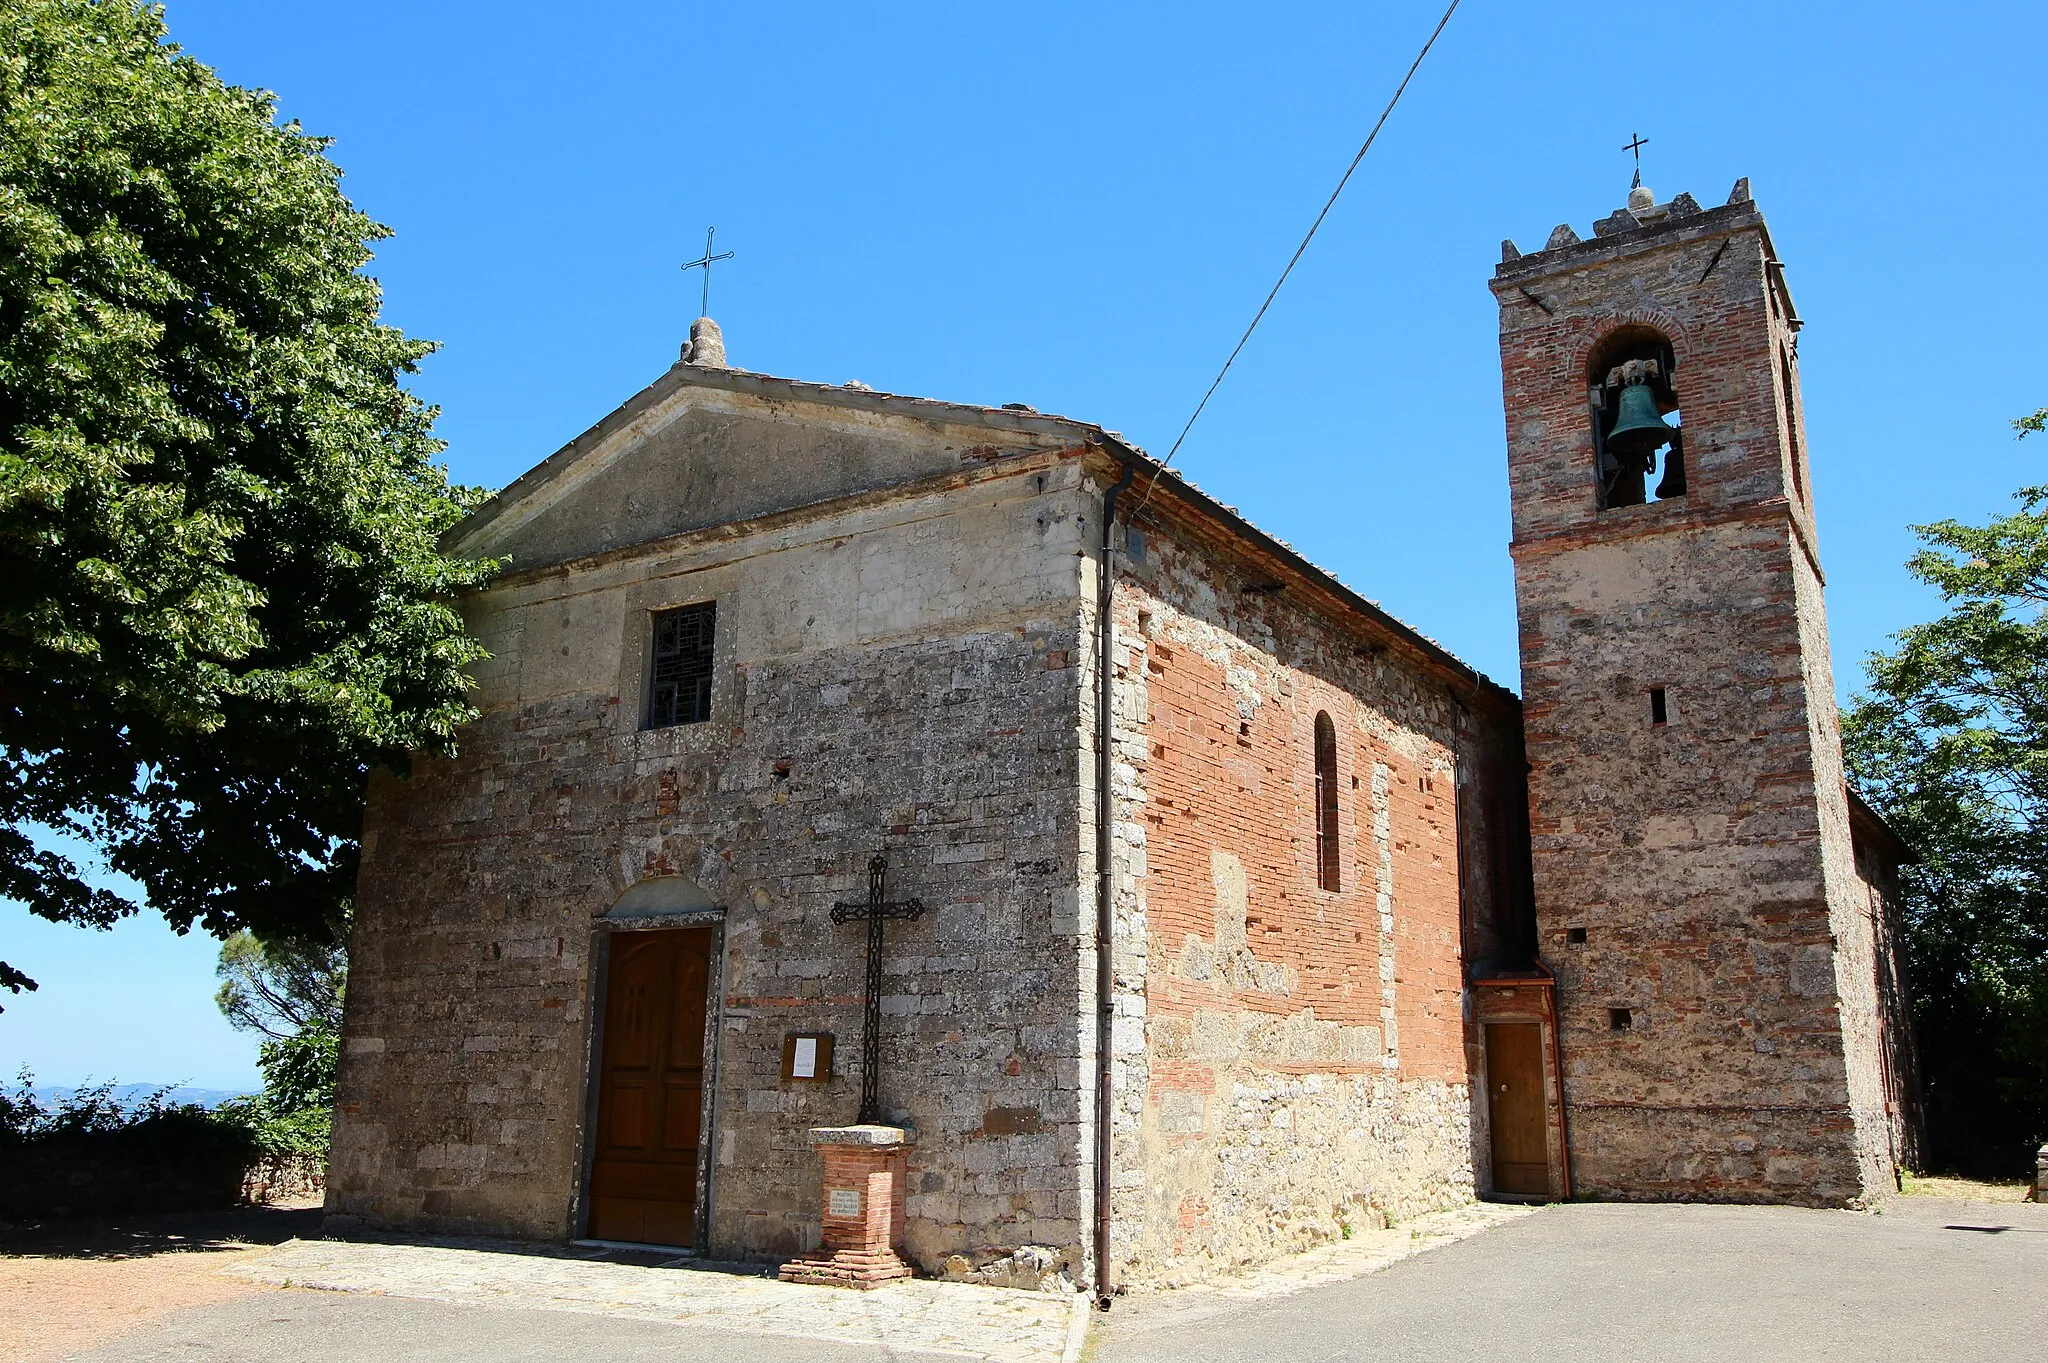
column 680, row 375
column 999, row 418
column 1862, row 812
column 1234, row 521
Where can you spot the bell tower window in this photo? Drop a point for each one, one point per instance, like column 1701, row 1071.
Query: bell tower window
column 1638, row 447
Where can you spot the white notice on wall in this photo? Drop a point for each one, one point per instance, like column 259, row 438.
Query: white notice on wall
column 805, row 1063
column 842, row 1202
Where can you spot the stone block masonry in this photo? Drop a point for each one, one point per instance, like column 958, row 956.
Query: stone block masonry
column 860, row 699
column 1696, row 889
column 1325, row 832
column 904, row 654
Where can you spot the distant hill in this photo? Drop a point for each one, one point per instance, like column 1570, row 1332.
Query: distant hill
column 128, row 1095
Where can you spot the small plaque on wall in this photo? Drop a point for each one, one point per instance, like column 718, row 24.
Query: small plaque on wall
column 842, row 1202
column 807, row 1057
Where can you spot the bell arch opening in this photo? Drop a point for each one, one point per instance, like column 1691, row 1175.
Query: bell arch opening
column 1632, row 402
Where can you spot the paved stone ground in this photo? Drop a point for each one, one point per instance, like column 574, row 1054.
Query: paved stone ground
column 347, row 1327
column 1927, row 1279
column 917, row 1317
column 478, row 1300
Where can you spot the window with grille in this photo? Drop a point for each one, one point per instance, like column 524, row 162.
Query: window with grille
column 1329, row 853
column 680, row 685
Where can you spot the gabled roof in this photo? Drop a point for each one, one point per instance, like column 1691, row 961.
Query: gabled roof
column 1016, row 423
column 539, row 483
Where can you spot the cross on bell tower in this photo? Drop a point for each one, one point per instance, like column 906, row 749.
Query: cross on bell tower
column 1636, row 142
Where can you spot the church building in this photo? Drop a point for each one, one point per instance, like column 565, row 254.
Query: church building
column 1218, row 911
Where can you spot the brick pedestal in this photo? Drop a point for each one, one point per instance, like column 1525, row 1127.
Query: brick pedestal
column 863, row 1211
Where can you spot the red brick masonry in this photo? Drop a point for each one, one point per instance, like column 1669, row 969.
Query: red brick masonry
column 862, row 1215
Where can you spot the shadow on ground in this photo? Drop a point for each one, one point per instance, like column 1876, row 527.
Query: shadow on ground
column 141, row 1236
column 230, row 1228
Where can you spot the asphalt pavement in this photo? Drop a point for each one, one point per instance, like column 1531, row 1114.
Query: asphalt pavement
column 1929, row 1278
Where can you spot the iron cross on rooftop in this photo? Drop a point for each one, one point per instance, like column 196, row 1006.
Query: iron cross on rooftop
column 874, row 911
column 1636, row 142
column 705, row 263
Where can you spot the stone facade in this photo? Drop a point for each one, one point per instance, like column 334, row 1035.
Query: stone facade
column 1342, row 865
column 1696, row 886
column 1879, row 855
column 904, row 608
column 860, row 699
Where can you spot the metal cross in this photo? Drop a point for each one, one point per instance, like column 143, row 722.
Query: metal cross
column 874, row 911
column 1636, row 143
column 705, row 262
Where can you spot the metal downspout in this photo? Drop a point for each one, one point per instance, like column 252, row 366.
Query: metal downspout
column 1105, row 880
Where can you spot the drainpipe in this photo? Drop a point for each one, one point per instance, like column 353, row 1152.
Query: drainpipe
column 1564, row 1120
column 1105, row 879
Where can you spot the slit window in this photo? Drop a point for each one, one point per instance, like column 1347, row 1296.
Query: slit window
column 1660, row 709
column 679, row 690
column 1329, row 856
column 1792, row 428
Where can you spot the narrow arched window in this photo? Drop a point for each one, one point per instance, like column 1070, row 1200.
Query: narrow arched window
column 1329, row 857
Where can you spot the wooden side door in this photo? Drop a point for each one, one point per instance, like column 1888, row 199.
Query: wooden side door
column 650, row 1097
column 1514, row 1084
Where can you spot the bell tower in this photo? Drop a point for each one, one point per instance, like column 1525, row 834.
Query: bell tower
column 1696, row 891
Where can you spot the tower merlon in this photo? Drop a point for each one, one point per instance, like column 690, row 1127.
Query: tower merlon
column 1639, row 227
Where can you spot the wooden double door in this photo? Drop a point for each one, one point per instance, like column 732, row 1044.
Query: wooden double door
column 650, row 1092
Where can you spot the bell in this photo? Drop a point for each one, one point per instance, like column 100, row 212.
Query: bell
column 1639, row 430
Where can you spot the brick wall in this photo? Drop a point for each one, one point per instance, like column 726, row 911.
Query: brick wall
column 1291, row 1059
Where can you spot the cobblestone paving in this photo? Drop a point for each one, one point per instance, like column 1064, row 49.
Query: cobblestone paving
column 930, row 1317
column 1368, row 1252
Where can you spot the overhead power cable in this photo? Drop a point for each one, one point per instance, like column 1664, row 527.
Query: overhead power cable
column 1295, row 259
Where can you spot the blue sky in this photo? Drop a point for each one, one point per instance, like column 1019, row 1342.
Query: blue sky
column 1079, row 207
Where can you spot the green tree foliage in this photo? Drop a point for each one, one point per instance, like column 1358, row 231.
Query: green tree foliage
column 1951, row 745
column 221, row 596
column 291, row 992
column 281, row 988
